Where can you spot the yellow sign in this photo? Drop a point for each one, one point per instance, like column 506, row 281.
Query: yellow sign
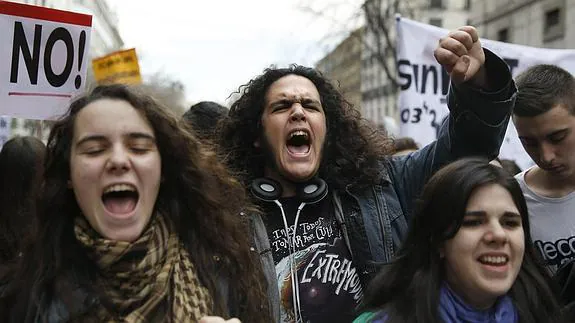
column 118, row 67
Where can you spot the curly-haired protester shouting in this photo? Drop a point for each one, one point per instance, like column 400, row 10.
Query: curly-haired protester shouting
column 337, row 204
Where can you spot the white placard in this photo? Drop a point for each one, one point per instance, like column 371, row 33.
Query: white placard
column 43, row 59
column 424, row 83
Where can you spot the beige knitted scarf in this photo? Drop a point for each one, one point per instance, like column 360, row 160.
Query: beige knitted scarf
column 149, row 278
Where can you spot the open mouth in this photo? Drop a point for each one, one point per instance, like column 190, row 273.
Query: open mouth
column 120, row 198
column 555, row 169
column 494, row 260
column 298, row 142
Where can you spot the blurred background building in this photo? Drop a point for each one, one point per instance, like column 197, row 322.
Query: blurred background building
column 377, row 76
column 539, row 23
column 344, row 65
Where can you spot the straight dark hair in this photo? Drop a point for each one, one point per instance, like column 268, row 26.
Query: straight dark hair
column 407, row 290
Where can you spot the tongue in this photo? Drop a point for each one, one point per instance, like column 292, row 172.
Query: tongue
column 298, row 149
column 120, row 205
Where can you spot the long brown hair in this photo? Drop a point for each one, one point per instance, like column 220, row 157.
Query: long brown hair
column 197, row 194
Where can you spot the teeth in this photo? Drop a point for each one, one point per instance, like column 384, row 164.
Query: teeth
column 120, row 188
column 298, row 133
column 494, row 260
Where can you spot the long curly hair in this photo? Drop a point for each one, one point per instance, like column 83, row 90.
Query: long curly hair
column 353, row 149
column 197, row 194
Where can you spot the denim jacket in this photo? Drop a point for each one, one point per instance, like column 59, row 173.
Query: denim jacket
column 476, row 127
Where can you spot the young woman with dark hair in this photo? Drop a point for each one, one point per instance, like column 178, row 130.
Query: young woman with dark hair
column 468, row 256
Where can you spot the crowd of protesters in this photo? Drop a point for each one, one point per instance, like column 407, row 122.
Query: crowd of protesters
column 290, row 207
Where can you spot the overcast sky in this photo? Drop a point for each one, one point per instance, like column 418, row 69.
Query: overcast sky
column 213, row 46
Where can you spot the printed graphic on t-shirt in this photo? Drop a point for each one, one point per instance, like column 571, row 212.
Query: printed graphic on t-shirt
column 558, row 252
column 552, row 224
column 329, row 285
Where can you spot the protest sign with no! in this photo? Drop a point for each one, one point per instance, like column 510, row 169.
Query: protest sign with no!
column 43, row 55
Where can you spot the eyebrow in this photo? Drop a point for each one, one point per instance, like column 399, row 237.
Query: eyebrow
column 90, row 138
column 556, row 132
column 509, row 214
column 141, row 135
column 506, row 214
column 131, row 135
column 300, row 100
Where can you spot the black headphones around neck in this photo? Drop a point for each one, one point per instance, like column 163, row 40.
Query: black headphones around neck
column 269, row 190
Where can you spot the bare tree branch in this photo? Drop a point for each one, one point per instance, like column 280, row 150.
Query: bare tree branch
column 379, row 19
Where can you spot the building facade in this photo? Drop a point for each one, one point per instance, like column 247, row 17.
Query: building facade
column 343, row 66
column 538, row 23
column 379, row 97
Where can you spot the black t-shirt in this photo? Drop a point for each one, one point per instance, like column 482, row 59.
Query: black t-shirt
column 329, row 285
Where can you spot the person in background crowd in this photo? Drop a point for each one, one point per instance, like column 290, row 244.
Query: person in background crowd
column 509, row 165
column 544, row 116
column 203, row 118
column 334, row 199
column 468, row 256
column 139, row 223
column 404, row 146
column 21, row 168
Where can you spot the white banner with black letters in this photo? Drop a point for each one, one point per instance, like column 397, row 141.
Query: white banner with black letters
column 43, row 59
column 424, row 83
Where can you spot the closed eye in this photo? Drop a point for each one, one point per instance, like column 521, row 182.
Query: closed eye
column 511, row 220
column 141, row 144
column 471, row 223
column 140, row 150
column 557, row 137
column 311, row 104
column 312, row 107
column 281, row 105
column 93, row 149
column 93, row 152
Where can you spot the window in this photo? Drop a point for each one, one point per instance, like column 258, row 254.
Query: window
column 503, row 35
column 436, row 4
column 552, row 18
column 436, row 22
column 554, row 25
